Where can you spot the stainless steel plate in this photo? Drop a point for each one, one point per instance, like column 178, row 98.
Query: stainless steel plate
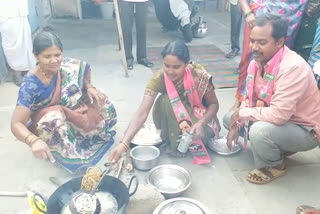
column 148, row 135
column 220, row 146
column 181, row 206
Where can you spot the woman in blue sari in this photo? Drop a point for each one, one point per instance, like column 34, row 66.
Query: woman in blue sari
column 59, row 113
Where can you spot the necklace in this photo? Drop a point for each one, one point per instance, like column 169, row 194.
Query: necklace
column 44, row 74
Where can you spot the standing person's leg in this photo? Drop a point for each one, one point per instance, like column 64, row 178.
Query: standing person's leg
column 141, row 29
column 17, row 45
column 236, row 18
column 127, row 14
column 269, row 143
column 236, row 28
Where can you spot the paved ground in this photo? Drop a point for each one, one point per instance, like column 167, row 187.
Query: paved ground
column 221, row 186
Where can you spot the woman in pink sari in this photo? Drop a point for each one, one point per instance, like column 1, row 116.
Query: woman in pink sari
column 187, row 102
column 59, row 113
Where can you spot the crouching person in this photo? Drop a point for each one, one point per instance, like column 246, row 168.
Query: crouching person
column 281, row 112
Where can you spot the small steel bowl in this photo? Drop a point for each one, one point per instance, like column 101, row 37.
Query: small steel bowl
column 144, row 157
column 170, row 180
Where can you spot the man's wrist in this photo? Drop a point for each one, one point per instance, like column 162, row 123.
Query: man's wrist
column 242, row 114
column 234, row 118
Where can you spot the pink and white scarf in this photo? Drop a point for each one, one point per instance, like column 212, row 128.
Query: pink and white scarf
column 266, row 90
column 200, row 156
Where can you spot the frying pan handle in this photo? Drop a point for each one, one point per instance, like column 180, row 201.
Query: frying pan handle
column 135, row 188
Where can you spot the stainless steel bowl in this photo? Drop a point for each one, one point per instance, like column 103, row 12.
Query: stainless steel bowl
column 144, row 157
column 170, row 180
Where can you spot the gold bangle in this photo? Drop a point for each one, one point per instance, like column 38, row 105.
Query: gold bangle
column 26, row 138
column 38, row 138
column 32, row 139
column 125, row 145
column 89, row 86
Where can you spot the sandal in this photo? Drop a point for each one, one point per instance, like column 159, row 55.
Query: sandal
column 265, row 175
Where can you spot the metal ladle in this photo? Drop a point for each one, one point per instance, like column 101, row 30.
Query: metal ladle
column 71, row 204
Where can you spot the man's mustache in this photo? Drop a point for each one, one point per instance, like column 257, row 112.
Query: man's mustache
column 257, row 53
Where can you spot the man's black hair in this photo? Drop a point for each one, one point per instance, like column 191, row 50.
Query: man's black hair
column 279, row 24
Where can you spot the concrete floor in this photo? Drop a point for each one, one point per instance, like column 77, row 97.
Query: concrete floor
column 221, row 185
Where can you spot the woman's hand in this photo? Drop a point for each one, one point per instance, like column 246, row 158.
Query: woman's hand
column 197, row 131
column 116, row 153
column 41, row 150
column 251, row 20
column 95, row 94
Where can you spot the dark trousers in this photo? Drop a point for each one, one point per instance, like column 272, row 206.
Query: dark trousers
column 127, row 15
column 236, row 18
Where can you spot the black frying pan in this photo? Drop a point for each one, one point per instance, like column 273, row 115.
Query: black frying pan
column 110, row 184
